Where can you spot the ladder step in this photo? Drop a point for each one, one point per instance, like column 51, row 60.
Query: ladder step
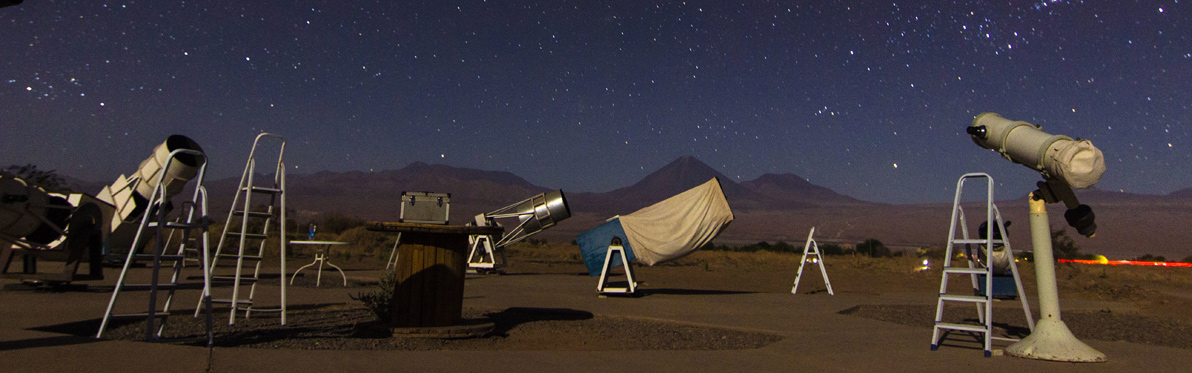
column 966, row 270
column 178, row 225
column 964, row 327
column 977, row 242
column 234, row 256
column 229, row 301
column 232, row 278
column 257, row 189
column 253, row 214
column 163, row 257
column 138, row 315
column 963, row 298
column 134, row 287
column 250, row 235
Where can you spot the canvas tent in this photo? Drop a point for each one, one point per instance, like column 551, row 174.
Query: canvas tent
column 663, row 231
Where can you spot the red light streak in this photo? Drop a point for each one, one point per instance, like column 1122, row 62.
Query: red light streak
column 1127, row 262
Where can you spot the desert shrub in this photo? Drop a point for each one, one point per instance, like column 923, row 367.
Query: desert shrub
column 1150, row 258
column 379, row 299
column 833, row 249
column 783, row 247
column 873, row 248
column 336, row 223
column 48, row 180
column 936, row 253
column 1187, row 260
column 1062, row 246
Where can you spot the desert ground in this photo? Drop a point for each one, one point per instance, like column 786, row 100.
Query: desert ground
column 712, row 310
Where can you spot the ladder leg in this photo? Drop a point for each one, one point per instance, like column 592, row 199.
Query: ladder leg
column 819, row 256
column 393, row 254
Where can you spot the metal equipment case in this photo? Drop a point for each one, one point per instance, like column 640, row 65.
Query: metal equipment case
column 425, row 207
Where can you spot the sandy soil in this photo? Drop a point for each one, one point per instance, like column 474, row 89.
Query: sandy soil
column 1135, row 304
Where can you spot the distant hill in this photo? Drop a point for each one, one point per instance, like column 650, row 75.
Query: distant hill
column 1182, row 193
column 676, row 177
column 793, row 188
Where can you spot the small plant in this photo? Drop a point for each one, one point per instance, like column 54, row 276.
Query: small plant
column 379, row 300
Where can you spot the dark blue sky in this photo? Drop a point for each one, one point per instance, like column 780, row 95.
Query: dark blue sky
column 868, row 98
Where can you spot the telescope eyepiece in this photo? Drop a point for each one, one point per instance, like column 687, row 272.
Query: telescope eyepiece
column 976, row 131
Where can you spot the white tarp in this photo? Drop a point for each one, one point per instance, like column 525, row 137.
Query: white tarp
column 678, row 225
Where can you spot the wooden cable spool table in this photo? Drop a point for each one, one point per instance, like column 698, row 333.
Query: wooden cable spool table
column 431, row 265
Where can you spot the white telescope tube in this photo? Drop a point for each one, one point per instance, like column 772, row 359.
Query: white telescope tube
column 1075, row 162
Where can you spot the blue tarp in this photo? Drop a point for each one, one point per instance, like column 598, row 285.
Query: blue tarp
column 593, row 244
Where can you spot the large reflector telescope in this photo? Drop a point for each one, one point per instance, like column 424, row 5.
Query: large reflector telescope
column 131, row 195
column 534, row 215
column 664, row 231
column 27, row 212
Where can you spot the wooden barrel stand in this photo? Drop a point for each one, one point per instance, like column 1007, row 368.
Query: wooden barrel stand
column 430, row 272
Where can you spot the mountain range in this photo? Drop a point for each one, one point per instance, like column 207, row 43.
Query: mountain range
column 773, row 207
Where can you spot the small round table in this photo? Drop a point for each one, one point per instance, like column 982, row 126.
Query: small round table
column 320, row 259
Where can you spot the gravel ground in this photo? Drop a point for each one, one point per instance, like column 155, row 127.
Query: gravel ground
column 1104, row 325
column 342, row 327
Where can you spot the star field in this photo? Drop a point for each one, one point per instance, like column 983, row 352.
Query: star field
column 869, row 98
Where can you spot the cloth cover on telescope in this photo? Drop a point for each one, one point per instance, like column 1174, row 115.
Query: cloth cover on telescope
column 666, row 230
column 593, row 245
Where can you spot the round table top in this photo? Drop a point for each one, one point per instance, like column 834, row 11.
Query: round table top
column 379, row 226
column 320, row 243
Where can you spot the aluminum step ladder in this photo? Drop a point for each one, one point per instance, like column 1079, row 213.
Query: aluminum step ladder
column 192, row 223
column 812, row 249
column 245, row 235
column 979, row 264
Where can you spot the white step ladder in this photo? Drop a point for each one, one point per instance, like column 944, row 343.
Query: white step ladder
column 246, row 249
column 980, row 263
column 153, row 224
column 812, row 249
column 615, row 249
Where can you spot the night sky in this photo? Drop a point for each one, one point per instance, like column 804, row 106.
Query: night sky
column 869, row 98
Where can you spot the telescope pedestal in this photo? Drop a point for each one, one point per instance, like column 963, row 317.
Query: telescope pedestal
column 1051, row 339
column 616, row 251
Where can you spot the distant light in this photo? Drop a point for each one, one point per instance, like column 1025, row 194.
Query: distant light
column 895, row 165
column 442, row 155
